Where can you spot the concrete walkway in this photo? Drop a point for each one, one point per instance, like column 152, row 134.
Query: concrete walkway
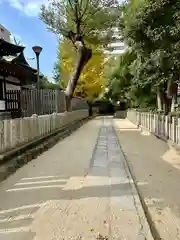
column 79, row 189
column 156, row 168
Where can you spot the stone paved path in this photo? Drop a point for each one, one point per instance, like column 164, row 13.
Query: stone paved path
column 156, row 169
column 79, row 189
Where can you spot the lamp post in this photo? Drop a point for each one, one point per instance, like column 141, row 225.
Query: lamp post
column 37, row 50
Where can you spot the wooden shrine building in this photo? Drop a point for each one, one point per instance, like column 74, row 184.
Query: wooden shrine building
column 15, row 72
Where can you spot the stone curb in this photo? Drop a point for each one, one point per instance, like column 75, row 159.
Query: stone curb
column 16, row 158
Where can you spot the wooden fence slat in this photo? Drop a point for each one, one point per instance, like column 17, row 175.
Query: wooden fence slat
column 27, row 102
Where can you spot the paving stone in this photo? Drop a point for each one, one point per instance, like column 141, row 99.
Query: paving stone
column 90, row 194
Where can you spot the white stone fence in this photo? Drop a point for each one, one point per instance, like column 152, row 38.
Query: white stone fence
column 165, row 127
column 15, row 132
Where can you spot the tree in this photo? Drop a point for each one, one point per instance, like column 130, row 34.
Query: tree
column 46, row 84
column 152, row 30
column 84, row 23
column 92, row 80
column 120, row 78
column 122, row 87
column 57, row 72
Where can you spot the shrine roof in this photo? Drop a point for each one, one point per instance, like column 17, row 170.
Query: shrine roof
column 14, row 57
column 9, row 49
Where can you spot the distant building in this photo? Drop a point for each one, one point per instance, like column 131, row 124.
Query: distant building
column 4, row 33
column 117, row 47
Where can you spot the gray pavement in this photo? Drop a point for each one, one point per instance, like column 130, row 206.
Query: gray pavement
column 156, row 170
column 79, row 189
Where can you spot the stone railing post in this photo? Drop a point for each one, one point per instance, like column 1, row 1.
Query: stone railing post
column 174, row 129
column 178, row 132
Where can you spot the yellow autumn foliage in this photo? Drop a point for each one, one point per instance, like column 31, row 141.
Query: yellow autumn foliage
column 92, row 80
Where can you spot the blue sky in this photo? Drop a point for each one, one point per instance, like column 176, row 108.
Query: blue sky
column 21, row 19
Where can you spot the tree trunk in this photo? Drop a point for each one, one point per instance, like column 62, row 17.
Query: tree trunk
column 174, row 98
column 173, row 104
column 159, row 100
column 84, row 55
column 167, row 103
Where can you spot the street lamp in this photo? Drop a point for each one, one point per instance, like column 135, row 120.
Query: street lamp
column 37, row 50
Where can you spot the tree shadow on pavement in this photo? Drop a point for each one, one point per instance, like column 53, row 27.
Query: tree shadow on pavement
column 15, row 222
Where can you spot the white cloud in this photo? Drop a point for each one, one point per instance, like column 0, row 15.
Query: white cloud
column 16, row 4
column 29, row 7
column 32, row 8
